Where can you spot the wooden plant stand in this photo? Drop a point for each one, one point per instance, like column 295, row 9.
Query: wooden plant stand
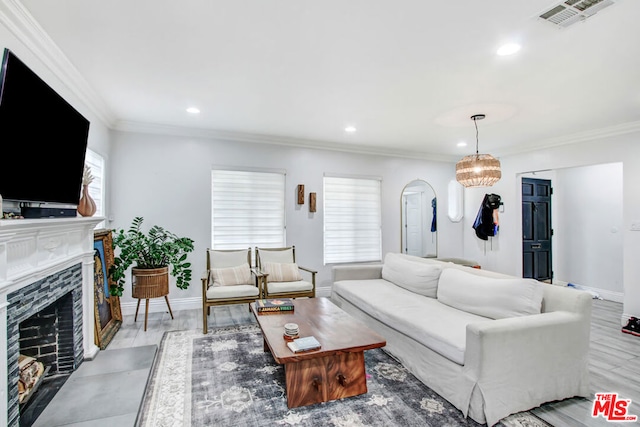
column 150, row 283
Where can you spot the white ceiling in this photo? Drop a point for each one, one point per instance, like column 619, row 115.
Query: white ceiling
column 408, row 74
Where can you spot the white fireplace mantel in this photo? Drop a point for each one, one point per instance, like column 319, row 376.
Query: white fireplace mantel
column 32, row 249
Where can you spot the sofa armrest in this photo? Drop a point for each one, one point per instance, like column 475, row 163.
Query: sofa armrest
column 529, row 339
column 357, row 272
column 561, row 298
column 543, row 355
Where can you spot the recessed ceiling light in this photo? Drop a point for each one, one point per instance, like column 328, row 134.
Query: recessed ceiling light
column 461, row 144
column 350, row 129
column 193, row 110
column 508, row 49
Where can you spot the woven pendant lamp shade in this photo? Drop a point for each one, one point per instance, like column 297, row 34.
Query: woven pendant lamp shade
column 478, row 170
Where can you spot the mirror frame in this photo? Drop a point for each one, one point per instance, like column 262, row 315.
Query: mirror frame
column 455, row 208
column 428, row 186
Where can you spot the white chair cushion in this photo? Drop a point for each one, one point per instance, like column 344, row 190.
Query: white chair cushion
column 489, row 297
column 281, row 272
column 282, row 287
column 284, row 256
column 226, row 292
column 418, row 277
column 224, row 259
column 230, row 276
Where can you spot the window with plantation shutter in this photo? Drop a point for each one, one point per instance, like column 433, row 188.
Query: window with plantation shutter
column 97, row 188
column 352, row 220
column 247, row 209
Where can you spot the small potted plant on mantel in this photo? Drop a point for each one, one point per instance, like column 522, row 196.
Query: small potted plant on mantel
column 153, row 254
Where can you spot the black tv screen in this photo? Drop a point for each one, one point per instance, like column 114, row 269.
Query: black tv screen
column 43, row 139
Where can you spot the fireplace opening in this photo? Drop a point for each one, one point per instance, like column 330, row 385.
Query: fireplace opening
column 46, row 360
column 36, row 313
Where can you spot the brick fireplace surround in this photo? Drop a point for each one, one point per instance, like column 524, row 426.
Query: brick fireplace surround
column 41, row 260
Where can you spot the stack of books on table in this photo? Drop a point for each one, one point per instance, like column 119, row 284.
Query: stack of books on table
column 304, row 344
column 275, row 306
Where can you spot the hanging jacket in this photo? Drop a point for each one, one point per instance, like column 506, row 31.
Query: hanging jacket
column 434, row 225
column 484, row 225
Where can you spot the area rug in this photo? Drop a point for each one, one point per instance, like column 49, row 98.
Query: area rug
column 225, row 378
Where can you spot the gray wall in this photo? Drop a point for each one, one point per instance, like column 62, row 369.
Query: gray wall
column 589, row 228
column 167, row 180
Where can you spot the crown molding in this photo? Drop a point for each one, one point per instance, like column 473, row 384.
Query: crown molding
column 590, row 135
column 158, row 129
column 229, row 136
column 17, row 19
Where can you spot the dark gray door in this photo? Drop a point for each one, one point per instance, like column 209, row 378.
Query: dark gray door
column 536, row 229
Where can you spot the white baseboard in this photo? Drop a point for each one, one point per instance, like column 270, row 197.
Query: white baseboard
column 323, row 292
column 602, row 293
column 605, row 294
column 608, row 295
column 158, row 305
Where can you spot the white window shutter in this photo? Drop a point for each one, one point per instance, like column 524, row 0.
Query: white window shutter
column 247, row 209
column 352, row 220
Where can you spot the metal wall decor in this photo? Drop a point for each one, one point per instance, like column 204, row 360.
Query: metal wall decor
column 312, row 202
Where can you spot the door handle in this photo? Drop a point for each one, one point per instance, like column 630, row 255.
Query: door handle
column 536, row 246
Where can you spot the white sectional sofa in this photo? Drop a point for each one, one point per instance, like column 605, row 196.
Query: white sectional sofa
column 489, row 343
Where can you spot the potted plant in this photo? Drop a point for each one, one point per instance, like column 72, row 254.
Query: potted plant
column 153, row 253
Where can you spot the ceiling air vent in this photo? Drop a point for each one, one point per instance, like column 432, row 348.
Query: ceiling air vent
column 571, row 11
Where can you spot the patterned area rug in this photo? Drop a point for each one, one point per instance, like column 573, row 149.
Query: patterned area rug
column 225, row 378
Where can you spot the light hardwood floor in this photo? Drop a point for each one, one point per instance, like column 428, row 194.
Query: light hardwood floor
column 614, row 356
column 614, row 362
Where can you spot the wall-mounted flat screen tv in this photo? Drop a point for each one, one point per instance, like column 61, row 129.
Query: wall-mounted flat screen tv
column 43, row 139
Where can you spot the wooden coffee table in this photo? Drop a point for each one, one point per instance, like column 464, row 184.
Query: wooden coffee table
column 332, row 372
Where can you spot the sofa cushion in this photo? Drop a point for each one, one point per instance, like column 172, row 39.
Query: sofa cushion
column 281, row 271
column 435, row 325
column 489, row 297
column 417, row 277
column 230, row 276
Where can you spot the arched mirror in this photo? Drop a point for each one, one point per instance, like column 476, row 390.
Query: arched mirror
column 418, row 216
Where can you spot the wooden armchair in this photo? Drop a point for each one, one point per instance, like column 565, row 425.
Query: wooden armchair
column 281, row 274
column 229, row 279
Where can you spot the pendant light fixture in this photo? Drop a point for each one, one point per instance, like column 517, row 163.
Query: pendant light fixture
column 478, row 170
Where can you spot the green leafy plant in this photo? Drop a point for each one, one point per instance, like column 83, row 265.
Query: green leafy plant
column 155, row 249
